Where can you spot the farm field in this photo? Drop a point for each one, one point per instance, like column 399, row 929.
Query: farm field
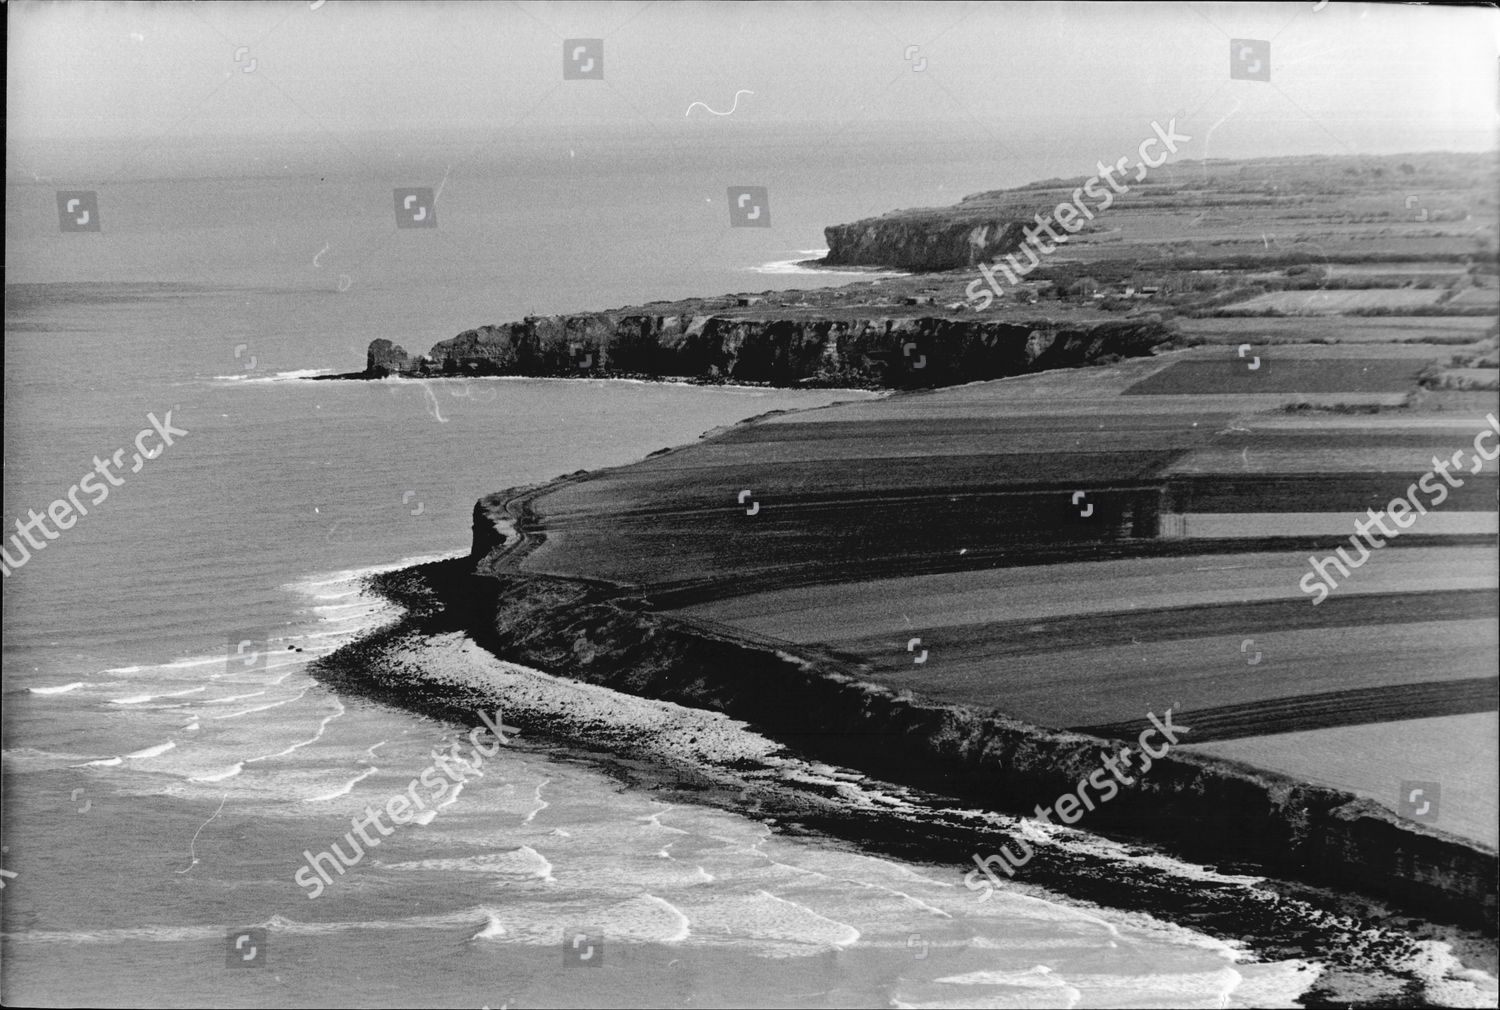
column 1332, row 302
column 1415, row 268
column 1486, row 298
column 1411, row 751
column 873, row 608
column 1263, row 525
column 1268, row 373
column 1145, row 662
column 945, row 525
column 1079, row 547
column 1339, row 329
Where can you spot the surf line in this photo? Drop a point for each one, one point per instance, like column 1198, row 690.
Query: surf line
column 316, row 879
column 1067, row 807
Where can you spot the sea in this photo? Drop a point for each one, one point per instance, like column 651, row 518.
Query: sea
column 168, row 758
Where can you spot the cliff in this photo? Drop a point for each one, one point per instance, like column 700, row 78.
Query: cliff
column 922, row 243
column 1205, row 808
column 791, row 349
column 1181, row 208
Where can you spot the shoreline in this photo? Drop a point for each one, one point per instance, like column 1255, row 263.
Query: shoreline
column 699, row 755
column 687, row 381
column 1298, row 829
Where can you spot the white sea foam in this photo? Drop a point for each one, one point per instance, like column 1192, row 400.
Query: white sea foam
column 654, row 819
column 234, row 697
column 796, row 266
column 318, row 735
column 347, row 576
column 151, row 752
column 263, row 708
column 1447, row 982
column 764, row 916
column 682, row 932
column 345, row 789
column 522, row 861
column 452, row 797
column 61, row 689
column 541, row 803
column 492, row 929
column 176, row 664
column 137, row 699
column 294, row 375
column 220, row 776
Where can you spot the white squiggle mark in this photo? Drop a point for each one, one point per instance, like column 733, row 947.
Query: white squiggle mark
column 193, row 845
column 319, row 255
column 468, row 393
column 433, row 400
column 1210, row 133
column 736, row 104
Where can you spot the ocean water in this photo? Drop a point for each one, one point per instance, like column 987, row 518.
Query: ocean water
column 163, row 780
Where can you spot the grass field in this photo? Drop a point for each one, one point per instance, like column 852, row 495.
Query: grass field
column 1338, row 329
column 1333, row 302
column 1278, row 374
column 1479, row 297
column 1412, row 269
column 1378, row 760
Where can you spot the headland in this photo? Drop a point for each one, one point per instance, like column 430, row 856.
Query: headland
column 1094, row 501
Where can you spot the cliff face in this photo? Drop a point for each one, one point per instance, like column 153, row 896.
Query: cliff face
column 1207, row 809
column 921, row 243
column 878, row 351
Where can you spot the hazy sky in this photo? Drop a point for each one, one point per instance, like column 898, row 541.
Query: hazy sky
column 1357, row 77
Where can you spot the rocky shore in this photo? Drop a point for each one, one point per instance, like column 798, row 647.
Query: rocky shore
column 678, row 726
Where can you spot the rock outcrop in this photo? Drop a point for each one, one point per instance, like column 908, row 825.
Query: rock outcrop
column 385, row 358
